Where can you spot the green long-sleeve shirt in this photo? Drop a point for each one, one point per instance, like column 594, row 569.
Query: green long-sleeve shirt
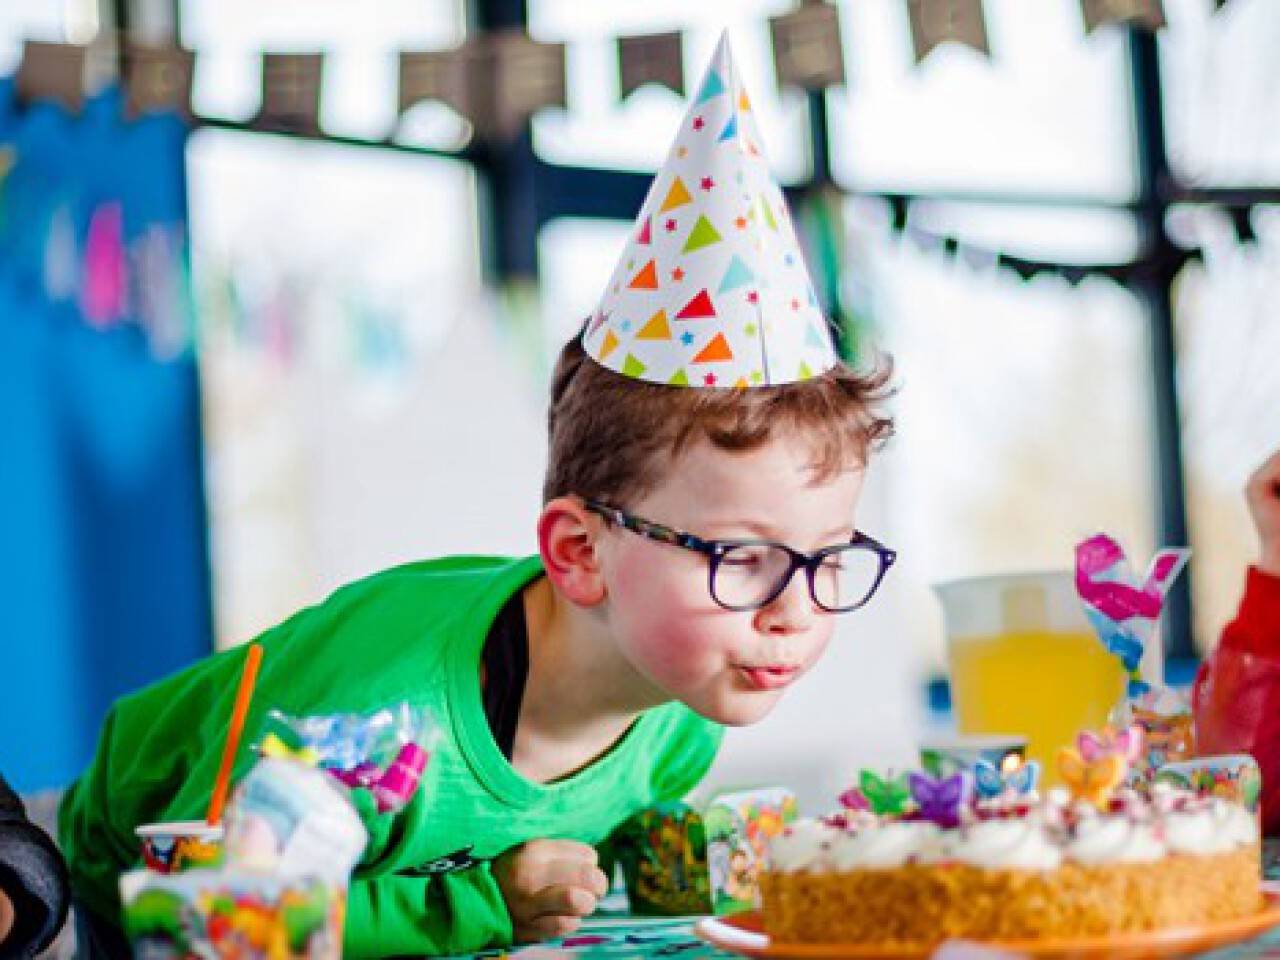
column 414, row 633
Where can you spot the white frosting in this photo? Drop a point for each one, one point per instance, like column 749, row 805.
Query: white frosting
column 1164, row 796
column 1058, row 829
column 1238, row 823
column 860, row 820
column 1020, row 844
column 890, row 845
column 1192, row 831
column 1058, row 797
column 1213, row 828
column 802, row 846
column 1114, row 839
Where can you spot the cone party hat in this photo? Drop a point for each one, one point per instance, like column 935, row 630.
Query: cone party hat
column 711, row 289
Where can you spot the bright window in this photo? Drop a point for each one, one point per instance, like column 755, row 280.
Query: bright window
column 338, row 287
column 1222, row 91
column 1046, row 113
column 598, row 131
column 362, row 43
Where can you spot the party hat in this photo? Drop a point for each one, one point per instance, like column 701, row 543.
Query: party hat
column 711, row 289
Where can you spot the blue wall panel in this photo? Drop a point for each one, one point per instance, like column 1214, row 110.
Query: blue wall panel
column 104, row 580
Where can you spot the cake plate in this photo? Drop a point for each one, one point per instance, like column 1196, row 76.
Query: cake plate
column 744, row 934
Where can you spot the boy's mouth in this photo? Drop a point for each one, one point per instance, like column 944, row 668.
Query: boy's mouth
column 773, row 677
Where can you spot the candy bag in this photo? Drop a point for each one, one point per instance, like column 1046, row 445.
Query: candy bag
column 385, row 752
column 1124, row 610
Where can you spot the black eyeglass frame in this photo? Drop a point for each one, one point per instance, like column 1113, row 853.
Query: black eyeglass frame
column 715, row 551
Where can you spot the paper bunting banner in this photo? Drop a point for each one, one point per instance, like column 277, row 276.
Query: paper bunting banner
column 291, row 84
column 52, row 71
column 656, row 58
column 711, row 290
column 937, row 21
column 526, row 76
column 439, row 75
column 157, row 79
column 1144, row 13
column 807, row 50
column 495, row 80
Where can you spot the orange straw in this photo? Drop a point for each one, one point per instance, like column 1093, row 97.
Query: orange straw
column 243, row 695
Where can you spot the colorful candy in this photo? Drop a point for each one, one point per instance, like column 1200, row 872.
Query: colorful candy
column 1097, row 766
column 385, row 752
column 885, row 797
column 941, row 801
column 1126, row 742
column 1168, row 727
column 854, row 799
column 228, row 913
column 990, row 782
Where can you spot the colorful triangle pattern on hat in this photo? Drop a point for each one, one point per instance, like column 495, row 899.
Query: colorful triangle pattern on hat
column 711, row 289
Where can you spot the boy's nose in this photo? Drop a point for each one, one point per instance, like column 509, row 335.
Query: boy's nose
column 791, row 611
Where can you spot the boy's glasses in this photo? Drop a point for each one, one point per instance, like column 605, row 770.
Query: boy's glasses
column 750, row 574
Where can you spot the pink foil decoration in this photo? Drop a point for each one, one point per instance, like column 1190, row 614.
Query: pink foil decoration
column 103, row 296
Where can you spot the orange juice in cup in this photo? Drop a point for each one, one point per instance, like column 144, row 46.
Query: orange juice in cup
column 1025, row 660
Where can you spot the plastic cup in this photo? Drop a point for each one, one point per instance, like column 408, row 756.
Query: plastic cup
column 178, row 845
column 232, row 913
column 1025, row 660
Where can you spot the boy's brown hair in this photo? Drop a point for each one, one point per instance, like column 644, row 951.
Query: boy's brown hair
column 610, row 436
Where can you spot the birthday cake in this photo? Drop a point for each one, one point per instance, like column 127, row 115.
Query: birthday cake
column 1096, row 860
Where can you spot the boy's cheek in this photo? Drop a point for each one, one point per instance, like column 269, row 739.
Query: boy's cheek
column 683, row 659
column 672, row 621
column 673, row 652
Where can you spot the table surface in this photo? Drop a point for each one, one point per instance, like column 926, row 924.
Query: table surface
column 619, row 935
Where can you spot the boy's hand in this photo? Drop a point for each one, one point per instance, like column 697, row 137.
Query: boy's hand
column 549, row 886
column 1263, row 494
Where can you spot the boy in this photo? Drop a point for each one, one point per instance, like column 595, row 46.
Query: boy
column 592, row 680
column 1237, row 692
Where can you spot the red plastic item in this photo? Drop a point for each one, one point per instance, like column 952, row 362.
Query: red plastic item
column 1236, row 697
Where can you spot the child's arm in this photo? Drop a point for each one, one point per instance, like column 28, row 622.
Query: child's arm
column 1237, row 692
column 454, row 913
column 537, row 890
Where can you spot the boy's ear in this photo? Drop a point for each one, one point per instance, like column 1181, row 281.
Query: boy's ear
column 567, row 534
